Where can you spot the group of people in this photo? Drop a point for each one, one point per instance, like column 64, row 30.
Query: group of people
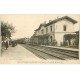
column 6, row 44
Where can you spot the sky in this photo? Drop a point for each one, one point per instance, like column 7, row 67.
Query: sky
column 25, row 24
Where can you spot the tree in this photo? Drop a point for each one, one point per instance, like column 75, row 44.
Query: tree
column 6, row 30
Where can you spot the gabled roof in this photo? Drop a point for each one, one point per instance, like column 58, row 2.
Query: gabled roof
column 56, row 20
column 62, row 18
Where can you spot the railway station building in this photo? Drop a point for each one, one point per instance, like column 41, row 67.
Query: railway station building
column 54, row 32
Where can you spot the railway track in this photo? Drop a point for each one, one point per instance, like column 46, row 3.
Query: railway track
column 41, row 54
column 52, row 53
column 73, row 54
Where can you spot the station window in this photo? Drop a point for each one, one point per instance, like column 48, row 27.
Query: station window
column 46, row 29
column 64, row 27
column 51, row 38
column 51, row 28
column 42, row 31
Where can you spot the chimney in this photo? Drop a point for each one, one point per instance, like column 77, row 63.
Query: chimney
column 50, row 20
column 44, row 22
column 57, row 17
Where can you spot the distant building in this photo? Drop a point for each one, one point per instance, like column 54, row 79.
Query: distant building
column 52, row 33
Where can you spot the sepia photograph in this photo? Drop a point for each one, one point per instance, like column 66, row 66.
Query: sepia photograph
column 39, row 38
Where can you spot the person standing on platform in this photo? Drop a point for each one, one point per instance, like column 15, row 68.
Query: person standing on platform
column 6, row 44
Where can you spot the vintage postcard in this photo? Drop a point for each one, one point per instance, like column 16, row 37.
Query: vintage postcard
column 39, row 38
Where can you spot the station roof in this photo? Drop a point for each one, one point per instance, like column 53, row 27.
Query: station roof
column 56, row 20
column 62, row 18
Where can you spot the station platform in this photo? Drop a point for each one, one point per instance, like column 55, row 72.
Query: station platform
column 64, row 48
column 17, row 54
